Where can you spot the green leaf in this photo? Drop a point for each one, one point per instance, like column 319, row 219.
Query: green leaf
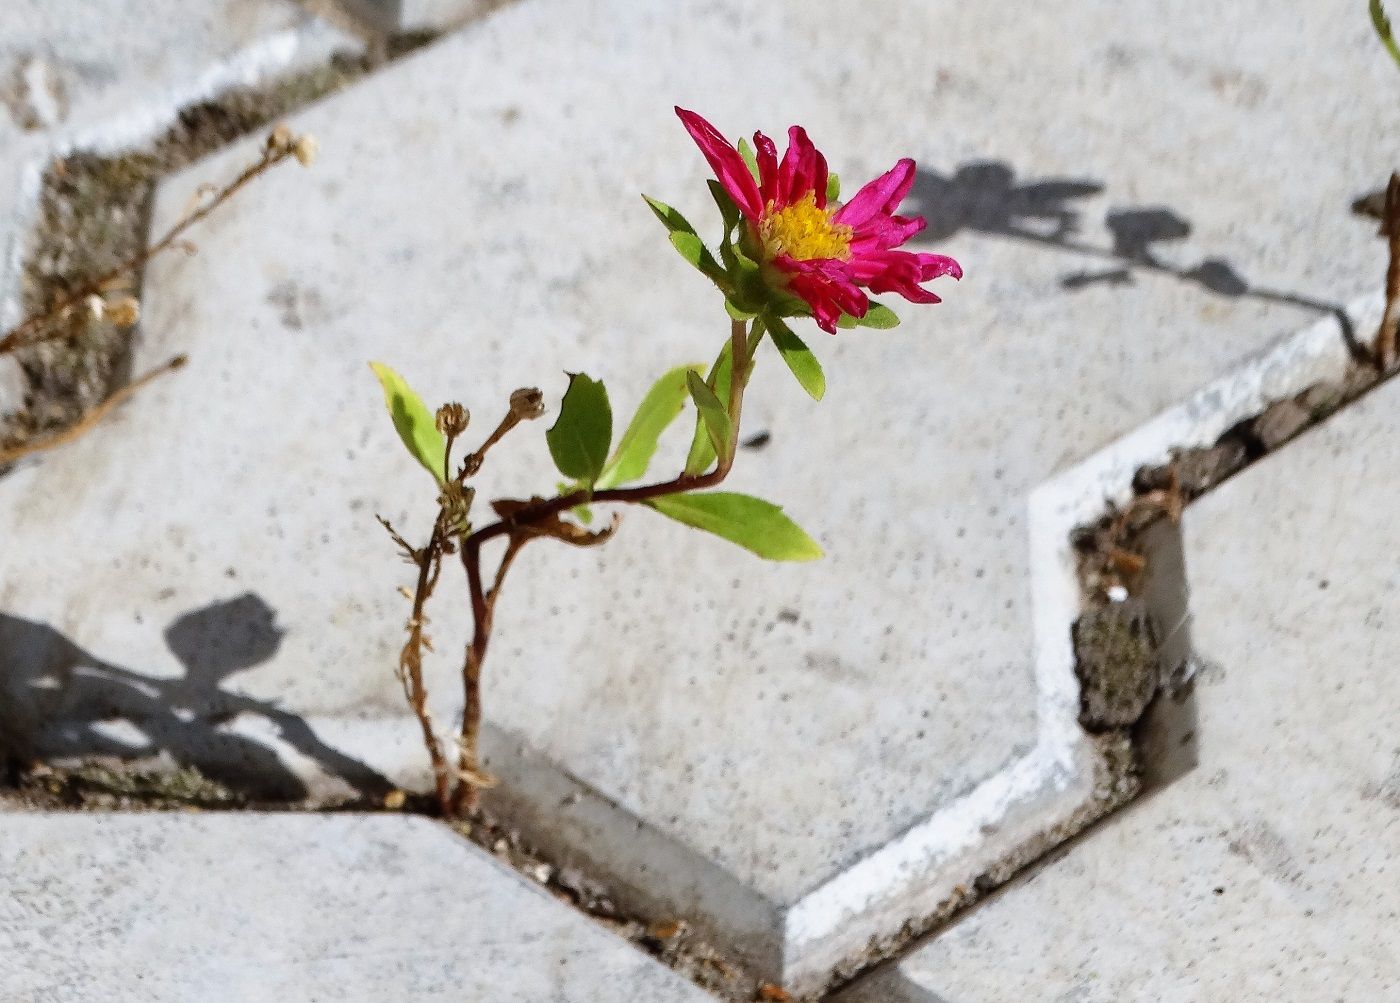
column 1383, row 30
column 685, row 240
column 735, row 312
column 799, row 358
column 670, row 218
column 712, row 413
column 702, row 451
column 580, row 438
column 833, row 187
column 752, row 523
column 728, row 211
column 661, row 406
column 746, row 151
column 878, row 316
column 415, row 424
column 692, row 248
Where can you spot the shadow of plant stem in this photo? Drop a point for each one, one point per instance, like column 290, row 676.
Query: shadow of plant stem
column 457, row 779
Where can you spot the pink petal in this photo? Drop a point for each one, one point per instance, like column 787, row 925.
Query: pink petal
column 881, row 196
column 885, row 232
column 933, row 266
column 827, row 286
column 798, row 174
column 901, row 272
column 725, row 161
column 767, row 156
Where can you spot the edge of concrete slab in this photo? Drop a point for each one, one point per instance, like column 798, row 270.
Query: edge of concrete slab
column 289, row 49
column 864, row 913
column 1077, row 496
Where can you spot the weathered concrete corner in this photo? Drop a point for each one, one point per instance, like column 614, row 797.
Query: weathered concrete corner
column 1261, row 872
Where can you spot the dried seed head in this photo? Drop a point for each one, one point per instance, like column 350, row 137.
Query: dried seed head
column 527, row 403
column 452, row 419
column 280, row 140
column 305, row 150
column 124, row 311
column 96, row 307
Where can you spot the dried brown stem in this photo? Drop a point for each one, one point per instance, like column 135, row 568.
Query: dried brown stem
column 411, row 663
column 39, row 327
column 1390, row 229
column 93, row 417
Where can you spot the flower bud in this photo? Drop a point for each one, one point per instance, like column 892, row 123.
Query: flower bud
column 452, row 419
column 305, row 150
column 527, row 403
column 280, row 139
column 124, row 311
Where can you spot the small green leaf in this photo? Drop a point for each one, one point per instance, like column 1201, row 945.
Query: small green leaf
column 799, row 358
column 833, row 187
column 746, row 151
column 728, row 211
column 685, row 240
column 670, row 218
column 878, row 316
column 580, row 438
column 1383, row 30
column 661, row 406
column 702, row 451
column 752, row 523
column 712, row 413
column 692, row 248
column 735, row 312
column 415, row 424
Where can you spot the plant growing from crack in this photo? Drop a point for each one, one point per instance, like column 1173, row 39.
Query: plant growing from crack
column 788, row 249
column 1385, row 343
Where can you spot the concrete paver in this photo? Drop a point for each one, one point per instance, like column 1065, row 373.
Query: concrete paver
column 161, row 907
column 1267, row 871
column 800, row 758
column 114, row 73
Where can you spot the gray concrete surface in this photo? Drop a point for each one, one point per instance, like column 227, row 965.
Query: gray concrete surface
column 105, row 74
column 1267, row 871
column 162, row 908
column 801, row 758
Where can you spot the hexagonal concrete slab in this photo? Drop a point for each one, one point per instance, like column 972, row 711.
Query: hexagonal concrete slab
column 165, row 907
column 1267, row 871
column 801, row 759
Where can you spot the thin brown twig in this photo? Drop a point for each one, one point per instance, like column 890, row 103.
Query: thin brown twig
column 93, row 417
column 411, row 663
column 37, row 328
column 1390, row 229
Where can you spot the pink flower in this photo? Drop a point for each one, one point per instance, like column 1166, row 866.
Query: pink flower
column 826, row 254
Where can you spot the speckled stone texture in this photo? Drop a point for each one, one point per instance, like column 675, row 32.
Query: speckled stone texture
column 161, row 908
column 730, row 740
column 1269, row 871
column 106, row 73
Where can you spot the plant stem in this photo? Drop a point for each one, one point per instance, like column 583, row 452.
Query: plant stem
column 743, row 343
column 411, row 663
column 1390, row 229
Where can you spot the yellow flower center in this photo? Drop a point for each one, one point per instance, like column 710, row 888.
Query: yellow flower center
column 803, row 231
